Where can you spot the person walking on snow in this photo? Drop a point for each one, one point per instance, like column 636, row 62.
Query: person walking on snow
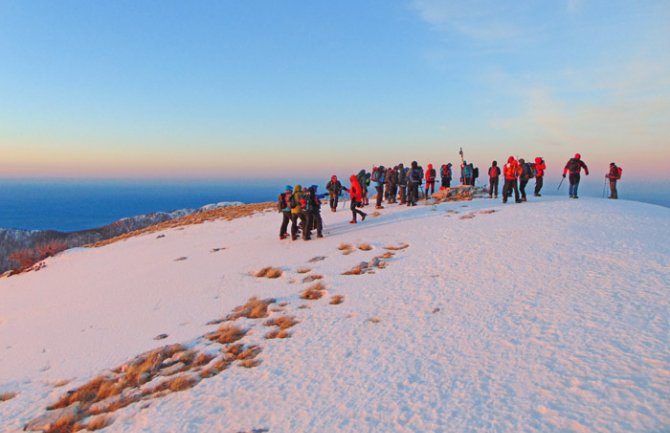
column 524, row 178
column 284, row 206
column 334, row 188
column 391, row 184
column 574, row 167
column 540, row 167
column 614, row 175
column 468, row 173
column 402, row 183
column 494, row 179
column 356, row 195
column 379, row 176
column 511, row 170
column 431, row 175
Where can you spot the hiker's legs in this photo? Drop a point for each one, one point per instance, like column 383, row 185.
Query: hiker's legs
column 286, row 217
column 516, row 190
column 522, row 188
column 307, row 228
column 380, row 195
column 613, row 191
column 574, row 184
column 318, row 224
column 294, row 226
column 538, row 185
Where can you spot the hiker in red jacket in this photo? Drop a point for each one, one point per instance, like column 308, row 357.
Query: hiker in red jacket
column 614, row 175
column 574, row 166
column 494, row 179
column 540, row 167
column 356, row 195
column 511, row 170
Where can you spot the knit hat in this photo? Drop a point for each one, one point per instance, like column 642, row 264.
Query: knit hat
column 289, row 188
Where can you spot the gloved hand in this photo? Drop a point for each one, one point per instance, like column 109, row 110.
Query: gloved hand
column 563, row 175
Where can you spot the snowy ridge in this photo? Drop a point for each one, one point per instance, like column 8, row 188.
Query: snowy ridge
column 549, row 316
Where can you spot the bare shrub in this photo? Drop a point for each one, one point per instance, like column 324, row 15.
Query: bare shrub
column 313, row 292
column 283, row 322
column 277, row 333
column 336, row 300
column 387, row 255
column 183, row 382
column 24, row 258
column 344, row 247
column 365, row 247
column 250, row 363
column 303, row 270
column 99, row 422
column 356, row 270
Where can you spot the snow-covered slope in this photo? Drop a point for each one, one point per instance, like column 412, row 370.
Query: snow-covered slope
column 549, row 316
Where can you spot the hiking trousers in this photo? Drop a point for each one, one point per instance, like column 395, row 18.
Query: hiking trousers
column 522, row 187
column 286, row 217
column 354, row 209
column 430, row 185
column 380, row 194
column 493, row 186
column 613, row 192
column 333, row 200
column 510, row 184
column 402, row 193
column 574, row 184
column 538, row 184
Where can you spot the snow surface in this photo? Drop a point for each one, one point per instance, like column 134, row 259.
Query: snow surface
column 549, row 316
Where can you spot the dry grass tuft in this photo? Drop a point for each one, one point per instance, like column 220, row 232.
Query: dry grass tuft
column 467, row 216
column 99, row 422
column 182, row 382
column 396, row 248
column 356, row 270
column 310, row 278
column 269, row 272
column 226, row 334
column 254, row 309
column 387, row 255
column 277, row 333
column 303, row 270
column 374, row 320
column 487, row 211
column 365, row 247
column 313, row 292
column 283, row 322
column 5, row 396
column 317, row 259
column 375, row 214
column 345, row 247
column 250, row 363
column 336, row 300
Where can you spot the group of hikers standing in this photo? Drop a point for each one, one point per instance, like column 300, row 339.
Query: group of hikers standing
column 302, row 207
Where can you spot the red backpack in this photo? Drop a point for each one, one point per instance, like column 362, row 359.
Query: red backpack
column 619, row 170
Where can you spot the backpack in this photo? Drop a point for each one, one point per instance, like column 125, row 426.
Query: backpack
column 494, row 171
column 619, row 170
column 529, row 170
column 402, row 177
column 573, row 166
column 475, row 172
column 444, row 170
column 431, row 175
column 375, row 174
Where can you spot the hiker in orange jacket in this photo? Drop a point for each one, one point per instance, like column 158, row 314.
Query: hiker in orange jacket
column 511, row 170
column 431, row 175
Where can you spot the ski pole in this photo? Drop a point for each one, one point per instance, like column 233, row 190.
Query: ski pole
column 559, row 185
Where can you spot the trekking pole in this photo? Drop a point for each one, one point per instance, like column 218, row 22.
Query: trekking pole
column 559, row 185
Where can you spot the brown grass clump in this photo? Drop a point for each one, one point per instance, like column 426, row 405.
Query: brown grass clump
column 99, row 422
column 283, row 322
column 396, row 248
column 277, row 333
column 387, row 255
column 226, row 334
column 346, row 248
column 317, row 259
column 310, row 278
column 5, row 396
column 374, row 320
column 356, row 270
column 269, row 272
column 254, row 309
column 467, row 216
column 313, row 292
column 375, row 214
column 183, row 382
column 228, row 213
column 250, row 363
column 303, row 270
column 487, row 211
column 365, row 247
column 336, row 300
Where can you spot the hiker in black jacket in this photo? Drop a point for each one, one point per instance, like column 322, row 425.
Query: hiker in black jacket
column 413, row 183
column 402, row 183
column 574, row 166
column 284, row 206
column 524, row 178
column 334, row 188
column 312, row 214
column 494, row 179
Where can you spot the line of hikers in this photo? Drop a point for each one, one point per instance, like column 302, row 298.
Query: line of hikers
column 302, row 207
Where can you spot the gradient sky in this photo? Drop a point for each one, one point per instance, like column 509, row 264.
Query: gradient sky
column 281, row 87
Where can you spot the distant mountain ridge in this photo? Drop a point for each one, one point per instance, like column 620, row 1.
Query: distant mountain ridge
column 13, row 240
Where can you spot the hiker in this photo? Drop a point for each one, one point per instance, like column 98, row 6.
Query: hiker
column 356, row 195
column 379, row 176
column 297, row 215
column 526, row 174
column 431, row 174
column 540, row 167
column 494, row 179
column 284, row 206
column 413, row 183
column 402, row 183
column 614, row 175
column 334, row 188
column 419, row 190
column 445, row 175
column 312, row 214
column 391, row 184
column 467, row 174
column 574, row 166
column 511, row 171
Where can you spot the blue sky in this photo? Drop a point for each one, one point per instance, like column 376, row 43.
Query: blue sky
column 223, row 88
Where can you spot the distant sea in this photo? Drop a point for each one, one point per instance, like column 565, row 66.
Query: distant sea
column 71, row 205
